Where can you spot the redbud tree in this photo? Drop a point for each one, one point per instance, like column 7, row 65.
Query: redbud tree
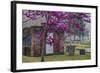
column 71, row 23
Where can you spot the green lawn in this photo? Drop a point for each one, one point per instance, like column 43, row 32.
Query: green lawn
column 81, row 45
column 57, row 58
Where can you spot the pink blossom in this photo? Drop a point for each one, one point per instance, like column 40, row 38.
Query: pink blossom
column 77, row 25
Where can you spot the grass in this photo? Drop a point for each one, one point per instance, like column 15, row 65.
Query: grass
column 79, row 46
column 64, row 57
column 57, row 58
column 82, row 45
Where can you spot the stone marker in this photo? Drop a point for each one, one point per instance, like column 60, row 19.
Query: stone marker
column 82, row 52
column 71, row 50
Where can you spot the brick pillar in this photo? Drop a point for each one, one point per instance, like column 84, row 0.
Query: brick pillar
column 56, row 43
column 61, row 47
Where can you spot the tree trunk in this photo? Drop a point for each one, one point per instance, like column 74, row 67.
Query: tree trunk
column 43, row 45
column 33, row 42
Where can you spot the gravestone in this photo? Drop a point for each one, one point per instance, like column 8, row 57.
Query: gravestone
column 82, row 52
column 71, row 50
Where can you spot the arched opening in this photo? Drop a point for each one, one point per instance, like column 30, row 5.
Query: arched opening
column 26, row 51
